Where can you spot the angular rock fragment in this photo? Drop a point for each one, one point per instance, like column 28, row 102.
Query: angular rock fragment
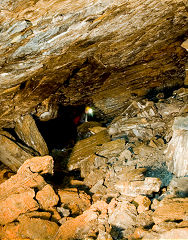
column 146, row 187
column 145, row 219
column 16, row 204
column 178, row 187
column 47, row 110
column 143, row 203
column 85, row 148
column 123, row 217
column 47, row 197
column 171, row 209
column 28, row 132
column 111, row 149
column 11, row 154
column 83, row 130
column 164, row 226
column 41, row 165
column 36, row 228
column 76, row 202
column 130, row 174
column 17, row 195
column 85, row 225
column 9, row 231
column 179, row 233
column 132, row 127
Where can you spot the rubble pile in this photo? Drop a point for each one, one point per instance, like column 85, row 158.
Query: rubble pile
column 133, row 181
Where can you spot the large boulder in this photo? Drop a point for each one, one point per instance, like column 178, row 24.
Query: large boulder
column 12, row 154
column 177, row 151
column 28, row 132
column 18, row 193
column 84, row 149
column 171, row 209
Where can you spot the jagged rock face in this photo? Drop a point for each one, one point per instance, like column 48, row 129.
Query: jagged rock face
column 100, row 51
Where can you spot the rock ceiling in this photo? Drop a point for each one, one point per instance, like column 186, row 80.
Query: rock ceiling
column 88, row 51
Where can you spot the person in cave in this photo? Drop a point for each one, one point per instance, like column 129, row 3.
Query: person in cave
column 84, row 116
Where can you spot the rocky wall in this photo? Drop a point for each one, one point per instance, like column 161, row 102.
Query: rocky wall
column 87, row 51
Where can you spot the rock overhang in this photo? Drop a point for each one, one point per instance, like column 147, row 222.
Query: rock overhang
column 96, row 51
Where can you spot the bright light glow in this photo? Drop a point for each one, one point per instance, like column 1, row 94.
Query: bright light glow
column 90, row 111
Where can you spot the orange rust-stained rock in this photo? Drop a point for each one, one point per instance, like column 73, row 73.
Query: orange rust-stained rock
column 16, row 204
column 47, row 197
column 40, row 165
column 36, row 228
column 76, row 201
column 81, row 226
column 143, row 203
column 17, row 195
column 10, row 231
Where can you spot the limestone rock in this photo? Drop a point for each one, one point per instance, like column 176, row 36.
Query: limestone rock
column 47, row 197
column 40, row 165
column 166, row 109
column 139, row 233
column 84, row 225
column 28, row 132
column 10, row 231
column 76, row 202
column 137, row 127
column 16, row 204
column 85, row 148
column 185, row 44
column 171, row 210
column 111, row 149
column 179, row 233
column 143, row 203
column 130, row 174
column 123, row 217
column 164, row 227
column 145, row 219
column 179, row 187
column 95, row 130
column 177, row 151
column 96, row 175
column 47, row 110
column 35, row 214
column 83, row 130
column 181, row 94
column 146, row 187
column 5, row 173
column 36, row 228
column 88, row 50
column 11, row 154
column 17, row 195
column 132, row 126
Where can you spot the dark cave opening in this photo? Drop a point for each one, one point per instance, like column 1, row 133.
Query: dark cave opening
column 61, row 132
column 60, row 135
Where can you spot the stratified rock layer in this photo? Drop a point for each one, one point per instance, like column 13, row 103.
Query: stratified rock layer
column 87, row 50
column 28, row 132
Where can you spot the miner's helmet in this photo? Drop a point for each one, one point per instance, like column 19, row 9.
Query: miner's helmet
column 89, row 111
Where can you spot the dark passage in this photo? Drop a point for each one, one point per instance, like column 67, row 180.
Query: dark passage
column 61, row 132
